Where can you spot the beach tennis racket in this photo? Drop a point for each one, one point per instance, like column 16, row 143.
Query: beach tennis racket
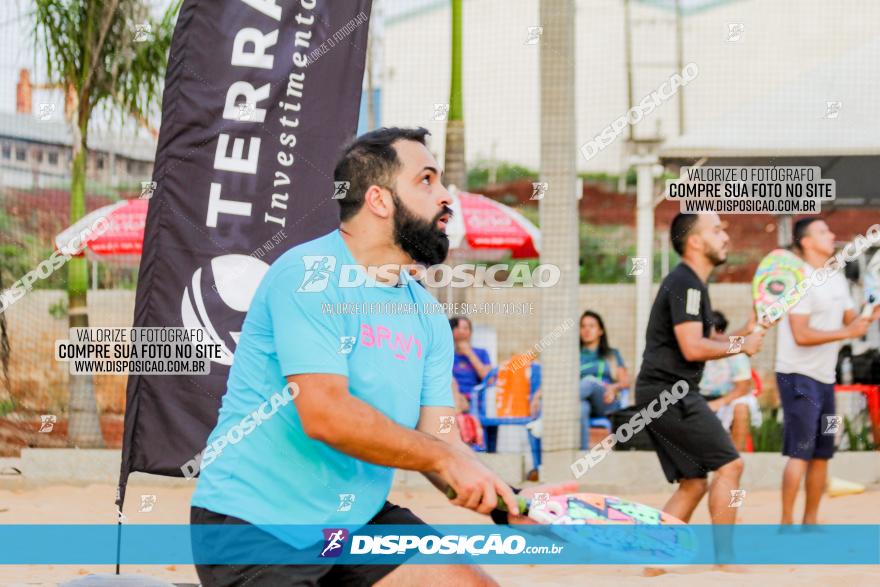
column 775, row 285
column 576, row 509
column 584, row 508
column 871, row 284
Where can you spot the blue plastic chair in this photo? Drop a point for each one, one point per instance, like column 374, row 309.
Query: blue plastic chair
column 600, row 423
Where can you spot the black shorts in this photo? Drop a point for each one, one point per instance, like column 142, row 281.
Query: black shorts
column 690, row 440
column 294, row 575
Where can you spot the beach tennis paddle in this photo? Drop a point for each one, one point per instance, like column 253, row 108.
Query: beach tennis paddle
column 576, row 509
column 584, row 508
column 775, row 285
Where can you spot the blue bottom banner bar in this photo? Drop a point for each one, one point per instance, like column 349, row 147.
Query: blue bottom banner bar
column 439, row 544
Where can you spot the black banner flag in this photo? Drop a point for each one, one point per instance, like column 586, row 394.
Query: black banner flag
column 260, row 96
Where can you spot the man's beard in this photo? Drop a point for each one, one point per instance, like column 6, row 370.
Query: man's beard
column 716, row 258
column 420, row 239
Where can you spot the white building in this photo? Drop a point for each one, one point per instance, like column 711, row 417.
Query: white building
column 36, row 153
column 36, row 145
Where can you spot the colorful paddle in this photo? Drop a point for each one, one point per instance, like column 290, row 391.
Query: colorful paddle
column 584, row 508
column 573, row 509
column 774, row 287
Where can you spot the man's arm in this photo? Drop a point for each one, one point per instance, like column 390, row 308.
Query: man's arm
column 461, row 402
column 695, row 347
column 434, row 421
column 850, row 315
column 431, row 419
column 480, row 367
column 804, row 335
column 740, row 389
column 330, row 414
column 621, row 374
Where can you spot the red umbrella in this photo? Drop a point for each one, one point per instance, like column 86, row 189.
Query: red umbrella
column 113, row 231
column 479, row 222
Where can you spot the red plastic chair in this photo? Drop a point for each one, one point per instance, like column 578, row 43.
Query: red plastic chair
column 756, row 380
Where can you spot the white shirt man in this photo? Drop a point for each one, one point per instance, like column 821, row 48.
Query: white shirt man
column 826, row 305
column 809, row 340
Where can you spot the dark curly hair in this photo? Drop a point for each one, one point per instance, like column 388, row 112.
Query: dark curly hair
column 371, row 160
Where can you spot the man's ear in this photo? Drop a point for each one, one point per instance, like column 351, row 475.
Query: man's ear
column 378, row 201
column 698, row 245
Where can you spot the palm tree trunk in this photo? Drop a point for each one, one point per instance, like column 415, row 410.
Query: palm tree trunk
column 454, row 160
column 84, row 424
column 5, row 351
column 84, row 429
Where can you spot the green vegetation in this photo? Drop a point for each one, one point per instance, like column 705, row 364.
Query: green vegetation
column 630, row 177
column 478, row 173
column 17, row 260
column 858, row 440
column 7, row 406
column 58, row 310
column 768, row 436
column 606, row 254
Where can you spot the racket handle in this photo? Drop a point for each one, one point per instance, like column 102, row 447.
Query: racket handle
column 867, row 310
column 502, row 506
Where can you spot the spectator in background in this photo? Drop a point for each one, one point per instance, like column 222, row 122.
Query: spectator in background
column 727, row 387
column 603, row 373
column 471, row 365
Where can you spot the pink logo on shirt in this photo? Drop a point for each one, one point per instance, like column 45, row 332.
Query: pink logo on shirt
column 396, row 342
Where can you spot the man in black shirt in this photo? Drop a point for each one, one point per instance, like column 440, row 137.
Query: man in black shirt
column 689, row 439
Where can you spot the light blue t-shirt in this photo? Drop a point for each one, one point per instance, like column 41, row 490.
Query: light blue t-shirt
column 301, row 321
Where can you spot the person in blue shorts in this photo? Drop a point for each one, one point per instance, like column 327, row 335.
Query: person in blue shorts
column 810, row 336
column 322, row 405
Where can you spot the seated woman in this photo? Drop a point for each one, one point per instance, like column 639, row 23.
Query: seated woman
column 471, row 365
column 727, row 387
column 603, row 374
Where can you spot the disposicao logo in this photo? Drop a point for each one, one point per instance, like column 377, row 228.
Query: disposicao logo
column 334, row 539
column 317, row 272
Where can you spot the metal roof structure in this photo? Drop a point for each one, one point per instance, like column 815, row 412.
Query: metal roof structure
column 827, row 117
